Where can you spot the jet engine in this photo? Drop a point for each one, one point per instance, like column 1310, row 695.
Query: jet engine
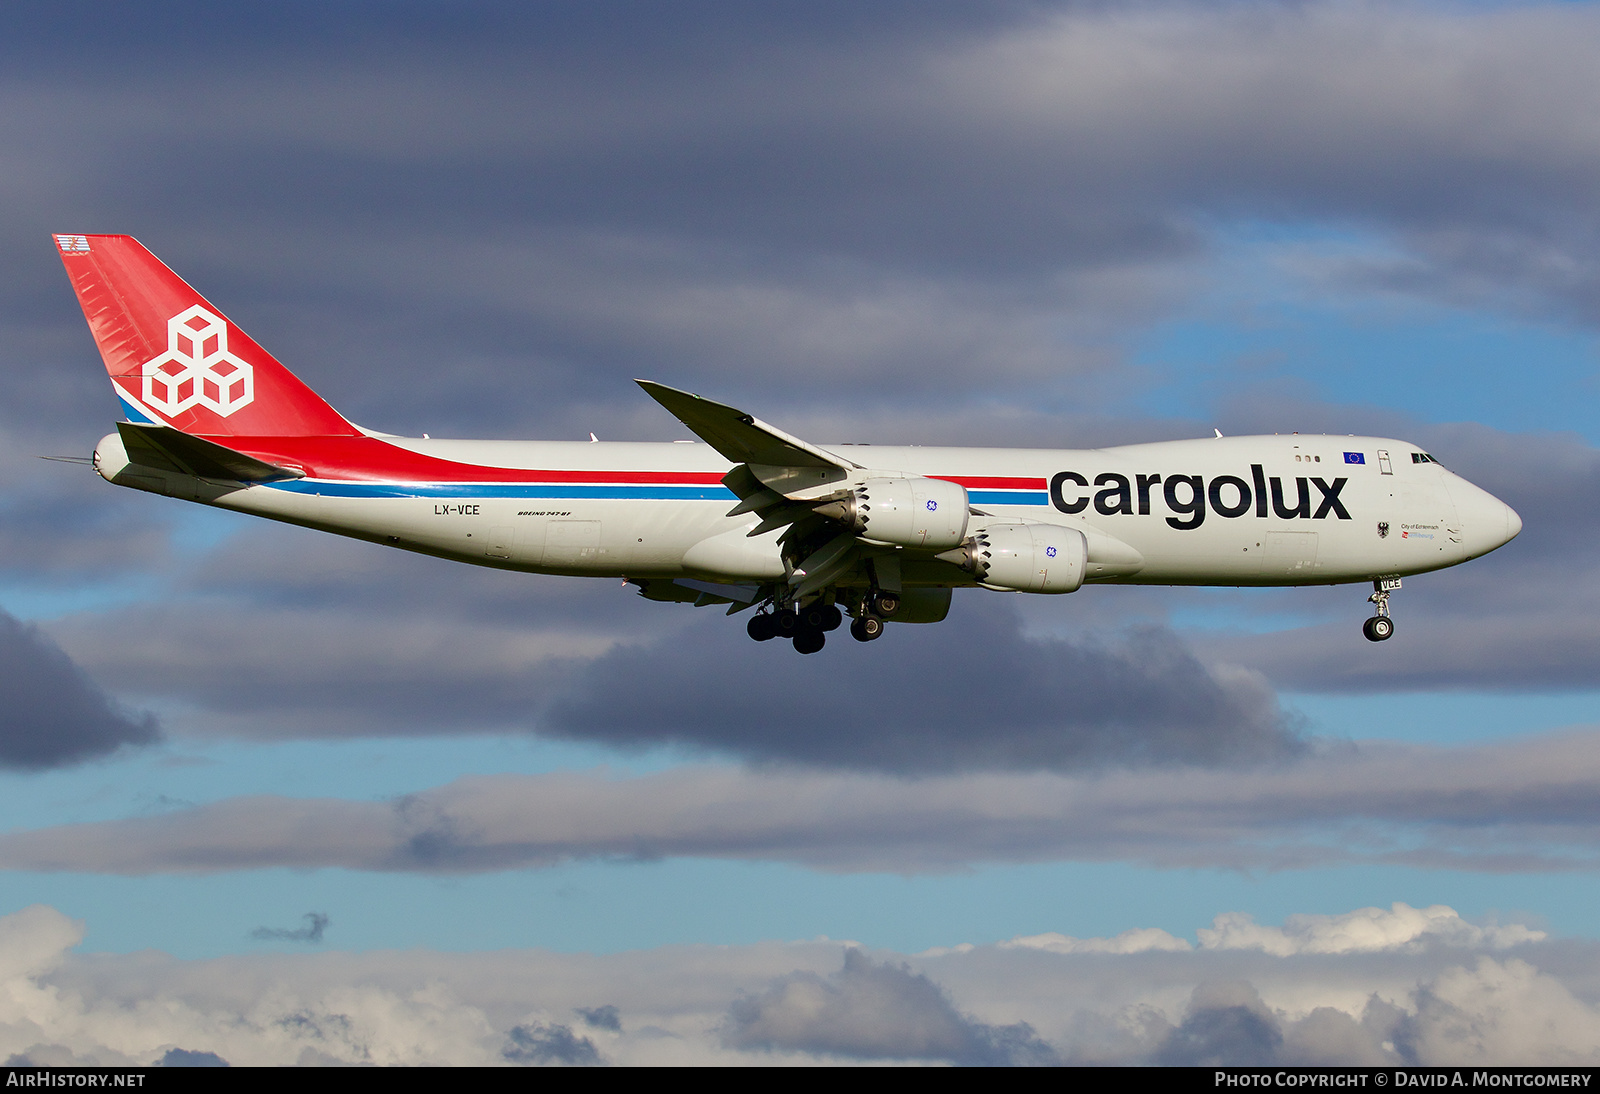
column 1028, row 558
column 915, row 512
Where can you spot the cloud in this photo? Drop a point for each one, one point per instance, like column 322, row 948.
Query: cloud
column 1502, row 1010
column 62, row 525
column 54, row 714
column 316, row 924
column 605, row 1017
column 1524, row 806
column 552, row 1044
column 875, row 1011
column 181, row 1057
column 1225, row 1022
column 1366, row 930
column 464, row 651
column 1134, row 940
column 1489, row 1013
column 1012, row 703
column 814, row 1002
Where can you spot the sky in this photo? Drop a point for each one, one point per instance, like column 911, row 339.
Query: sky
column 272, row 797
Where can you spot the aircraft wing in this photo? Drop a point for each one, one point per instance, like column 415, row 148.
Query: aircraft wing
column 779, row 477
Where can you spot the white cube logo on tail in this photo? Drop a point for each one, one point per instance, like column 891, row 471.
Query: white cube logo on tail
column 197, row 368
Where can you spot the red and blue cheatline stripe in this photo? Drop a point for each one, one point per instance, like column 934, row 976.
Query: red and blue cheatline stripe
column 1001, row 489
column 369, row 467
column 570, row 490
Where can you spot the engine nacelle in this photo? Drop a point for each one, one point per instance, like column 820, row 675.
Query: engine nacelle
column 916, row 512
column 1028, row 558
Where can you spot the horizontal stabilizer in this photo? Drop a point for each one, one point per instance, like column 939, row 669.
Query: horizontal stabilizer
column 739, row 436
column 168, row 449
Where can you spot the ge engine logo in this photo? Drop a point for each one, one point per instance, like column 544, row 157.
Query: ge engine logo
column 1050, row 552
column 197, row 369
column 932, row 505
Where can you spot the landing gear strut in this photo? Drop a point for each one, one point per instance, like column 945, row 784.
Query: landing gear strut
column 1380, row 626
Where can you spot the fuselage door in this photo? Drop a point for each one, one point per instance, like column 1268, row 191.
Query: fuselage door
column 1384, row 466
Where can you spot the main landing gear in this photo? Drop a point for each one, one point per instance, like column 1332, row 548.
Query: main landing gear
column 806, row 627
column 1380, row 626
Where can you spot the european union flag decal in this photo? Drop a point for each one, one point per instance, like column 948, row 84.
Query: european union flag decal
column 1355, row 457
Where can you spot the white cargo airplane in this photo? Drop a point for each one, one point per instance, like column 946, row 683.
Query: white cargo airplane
column 755, row 517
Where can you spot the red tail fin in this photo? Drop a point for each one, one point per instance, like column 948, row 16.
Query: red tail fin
column 175, row 359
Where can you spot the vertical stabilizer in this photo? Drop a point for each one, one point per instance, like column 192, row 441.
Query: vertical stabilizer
column 175, row 359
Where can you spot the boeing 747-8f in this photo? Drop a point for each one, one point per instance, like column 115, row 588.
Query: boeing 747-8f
column 754, row 517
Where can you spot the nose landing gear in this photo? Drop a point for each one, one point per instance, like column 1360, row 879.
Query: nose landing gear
column 1380, row 626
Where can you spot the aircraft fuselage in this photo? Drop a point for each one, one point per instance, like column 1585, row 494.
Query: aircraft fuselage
column 1279, row 510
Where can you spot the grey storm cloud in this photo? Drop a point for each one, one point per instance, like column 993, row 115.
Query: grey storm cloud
column 53, row 714
column 377, row 642
column 1524, row 806
column 872, row 1011
column 59, row 529
column 970, row 693
column 810, row 206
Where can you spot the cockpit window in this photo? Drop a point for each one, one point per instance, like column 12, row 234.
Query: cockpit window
column 1422, row 457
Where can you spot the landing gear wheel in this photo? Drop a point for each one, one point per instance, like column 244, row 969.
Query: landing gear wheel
column 832, row 617
column 866, row 628
column 809, row 641
column 885, row 604
column 787, row 622
column 1378, row 628
column 762, row 628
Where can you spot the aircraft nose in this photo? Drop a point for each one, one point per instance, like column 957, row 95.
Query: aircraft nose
column 1485, row 522
column 1513, row 524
